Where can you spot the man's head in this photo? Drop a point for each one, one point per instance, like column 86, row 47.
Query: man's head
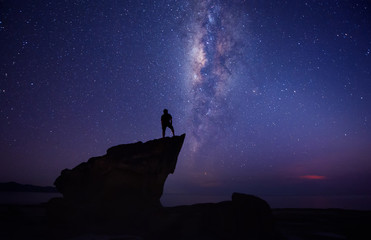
column 165, row 110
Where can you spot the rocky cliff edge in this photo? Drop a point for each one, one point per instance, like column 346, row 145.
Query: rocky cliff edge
column 128, row 174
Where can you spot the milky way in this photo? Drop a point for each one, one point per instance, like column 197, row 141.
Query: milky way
column 213, row 38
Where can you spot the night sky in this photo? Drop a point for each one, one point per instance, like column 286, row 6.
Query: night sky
column 274, row 96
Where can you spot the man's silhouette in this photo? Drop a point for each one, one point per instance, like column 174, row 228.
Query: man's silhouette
column 166, row 121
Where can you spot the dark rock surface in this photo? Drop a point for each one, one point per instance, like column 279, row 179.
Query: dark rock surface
column 129, row 179
column 31, row 222
column 245, row 217
column 119, row 193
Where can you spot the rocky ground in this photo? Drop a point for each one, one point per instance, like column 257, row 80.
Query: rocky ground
column 323, row 223
column 31, row 222
column 117, row 196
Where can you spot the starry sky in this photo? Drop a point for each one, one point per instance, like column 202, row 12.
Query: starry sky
column 274, row 96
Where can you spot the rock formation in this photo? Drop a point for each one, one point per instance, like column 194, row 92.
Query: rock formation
column 120, row 193
column 129, row 178
column 242, row 217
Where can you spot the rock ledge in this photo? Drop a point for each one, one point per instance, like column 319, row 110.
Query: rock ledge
column 128, row 175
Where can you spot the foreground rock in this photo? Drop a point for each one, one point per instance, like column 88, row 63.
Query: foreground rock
column 30, row 222
column 119, row 193
column 245, row 217
column 128, row 180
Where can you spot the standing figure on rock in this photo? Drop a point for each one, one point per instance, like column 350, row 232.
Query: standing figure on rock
column 166, row 121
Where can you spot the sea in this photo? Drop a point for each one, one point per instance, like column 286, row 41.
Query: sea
column 357, row 202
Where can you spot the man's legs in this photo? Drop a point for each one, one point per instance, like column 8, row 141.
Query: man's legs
column 172, row 129
column 164, row 128
column 163, row 131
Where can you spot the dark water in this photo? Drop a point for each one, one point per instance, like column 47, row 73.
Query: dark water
column 26, row 197
column 343, row 202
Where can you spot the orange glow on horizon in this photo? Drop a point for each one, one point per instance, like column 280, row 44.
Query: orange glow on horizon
column 313, row 177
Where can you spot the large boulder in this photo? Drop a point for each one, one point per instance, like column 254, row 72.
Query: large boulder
column 127, row 178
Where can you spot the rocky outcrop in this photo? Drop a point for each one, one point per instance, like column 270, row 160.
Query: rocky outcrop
column 244, row 217
column 129, row 177
column 119, row 193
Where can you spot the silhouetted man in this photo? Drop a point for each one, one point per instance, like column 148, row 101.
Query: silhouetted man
column 166, row 121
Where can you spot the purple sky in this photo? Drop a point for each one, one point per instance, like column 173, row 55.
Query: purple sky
column 274, row 97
